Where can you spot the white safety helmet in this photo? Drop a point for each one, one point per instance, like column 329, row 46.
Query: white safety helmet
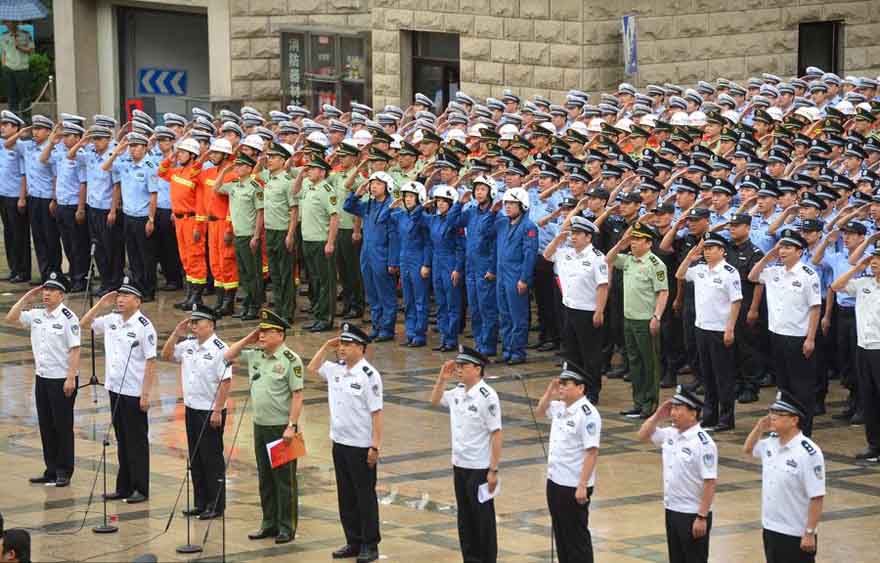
column 809, row 112
column 518, row 195
column 845, row 107
column 253, row 141
column 362, row 138
column 580, row 127
column 417, row 188
column 508, row 131
column 287, row 147
column 625, row 123
column 595, row 125
column 456, row 135
column 679, row 119
column 776, row 113
column 396, row 141
column 730, row 114
column 385, row 178
column 189, row 145
column 319, row 137
column 221, row 145
column 649, row 120
column 697, row 119
column 488, row 181
column 446, row 192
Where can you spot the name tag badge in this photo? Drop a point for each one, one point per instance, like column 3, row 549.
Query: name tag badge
column 355, row 389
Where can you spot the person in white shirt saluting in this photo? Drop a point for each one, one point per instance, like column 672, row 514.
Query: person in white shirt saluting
column 571, row 462
column 690, row 474
column 792, row 482
column 475, row 424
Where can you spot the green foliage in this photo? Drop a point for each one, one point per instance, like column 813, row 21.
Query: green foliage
column 40, row 67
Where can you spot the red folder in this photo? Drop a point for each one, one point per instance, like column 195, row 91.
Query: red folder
column 280, row 452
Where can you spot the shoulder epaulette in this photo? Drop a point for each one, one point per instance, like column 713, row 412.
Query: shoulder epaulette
column 368, row 371
column 66, row 312
column 586, row 409
column 484, row 392
column 807, row 269
column 729, row 268
column 809, row 447
column 654, row 260
column 597, row 252
column 219, row 343
column 289, row 355
column 703, row 438
column 144, row 320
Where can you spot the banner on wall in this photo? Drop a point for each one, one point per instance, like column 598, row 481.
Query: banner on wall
column 630, row 46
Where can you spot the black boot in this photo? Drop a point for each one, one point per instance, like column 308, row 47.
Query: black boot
column 218, row 303
column 195, row 296
column 669, row 379
column 227, row 308
column 186, row 299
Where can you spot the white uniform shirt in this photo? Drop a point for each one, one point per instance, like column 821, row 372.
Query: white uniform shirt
column 474, row 414
column 580, row 274
column 792, row 475
column 790, row 294
column 867, row 293
column 353, row 396
column 715, row 290
column 53, row 334
column 202, row 370
column 119, row 336
column 689, row 458
column 573, row 431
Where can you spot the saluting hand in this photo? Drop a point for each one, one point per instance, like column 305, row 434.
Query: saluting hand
column 253, row 336
column 109, row 297
column 448, row 370
column 181, row 328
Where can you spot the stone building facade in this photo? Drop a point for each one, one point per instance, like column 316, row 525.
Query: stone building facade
column 531, row 46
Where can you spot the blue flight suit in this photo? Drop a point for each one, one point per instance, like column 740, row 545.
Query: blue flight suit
column 517, row 244
column 480, row 258
column 16, row 226
column 415, row 252
column 379, row 244
column 447, row 242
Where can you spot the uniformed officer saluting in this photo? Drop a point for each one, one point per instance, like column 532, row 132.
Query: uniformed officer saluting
column 355, row 397
column 276, row 380
column 690, row 473
column 475, row 423
column 130, row 371
column 793, row 482
column 55, row 342
column 206, row 377
column 793, row 303
column 571, row 463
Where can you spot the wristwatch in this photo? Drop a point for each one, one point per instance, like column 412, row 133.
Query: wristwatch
column 655, row 317
column 293, row 425
column 811, row 531
column 493, row 470
column 701, row 516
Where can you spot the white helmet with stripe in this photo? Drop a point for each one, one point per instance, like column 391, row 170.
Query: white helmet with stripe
column 518, row 195
column 417, row 188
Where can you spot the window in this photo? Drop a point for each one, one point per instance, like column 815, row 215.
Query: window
column 819, row 44
column 325, row 67
column 436, row 66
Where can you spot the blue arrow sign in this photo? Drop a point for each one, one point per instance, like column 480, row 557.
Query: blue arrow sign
column 161, row 82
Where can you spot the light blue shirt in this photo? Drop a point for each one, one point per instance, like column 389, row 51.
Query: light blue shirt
column 137, row 181
column 99, row 189
column 39, row 176
column 837, row 263
column 11, row 171
column 163, row 187
column 69, row 175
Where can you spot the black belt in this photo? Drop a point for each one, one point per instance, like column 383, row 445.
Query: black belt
column 848, row 311
column 212, row 218
column 182, row 215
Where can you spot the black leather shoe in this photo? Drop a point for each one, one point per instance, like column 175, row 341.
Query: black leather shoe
column 115, row 496
column 868, row 453
column 440, row 348
column 210, row 515
column 192, row 512
column 368, row 554
column 631, row 412
column 516, row 361
column 536, row 345
column 321, row 326
column 62, row 481
column 283, row 537
column 616, row 373
column 347, row 551
column 308, row 325
column 548, row 347
column 386, row 338
column 250, row 315
column 136, row 498
column 719, row 428
column 354, row 314
column 262, row 534
column 41, row 480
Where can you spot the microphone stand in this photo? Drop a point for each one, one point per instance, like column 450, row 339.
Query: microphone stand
column 93, row 380
column 106, row 528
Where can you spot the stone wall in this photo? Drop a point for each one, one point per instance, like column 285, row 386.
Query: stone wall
column 550, row 46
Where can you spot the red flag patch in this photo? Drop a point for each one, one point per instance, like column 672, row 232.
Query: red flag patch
column 532, row 233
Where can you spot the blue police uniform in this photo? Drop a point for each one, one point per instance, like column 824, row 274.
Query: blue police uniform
column 415, row 251
column 517, row 244
column 758, row 233
column 548, row 297
column 71, row 175
column 40, row 177
column 16, row 227
column 137, row 181
column 379, row 243
column 168, row 255
column 480, row 258
column 447, row 243
column 108, row 239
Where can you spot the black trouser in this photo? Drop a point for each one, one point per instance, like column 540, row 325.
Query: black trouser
column 16, row 237
column 823, row 358
column 796, row 374
column 545, row 300
column 869, row 388
column 671, row 338
column 847, row 348
column 18, row 83
column 132, row 447
column 583, row 346
column 75, row 240
column 356, row 493
column 782, row 548
column 141, row 251
column 55, row 415
column 47, row 241
column 689, row 320
column 476, row 521
column 206, row 459
column 167, row 253
column 571, row 523
column 749, row 359
column 680, row 542
column 109, row 247
column 718, row 366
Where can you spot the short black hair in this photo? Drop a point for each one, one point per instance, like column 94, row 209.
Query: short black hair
column 19, row 541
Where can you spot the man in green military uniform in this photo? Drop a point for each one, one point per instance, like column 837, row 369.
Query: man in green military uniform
column 279, row 207
column 645, row 291
column 275, row 374
column 405, row 169
column 347, row 251
column 244, row 194
column 319, row 216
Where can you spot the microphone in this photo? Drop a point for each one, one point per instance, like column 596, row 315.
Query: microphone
column 92, row 251
column 135, row 344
